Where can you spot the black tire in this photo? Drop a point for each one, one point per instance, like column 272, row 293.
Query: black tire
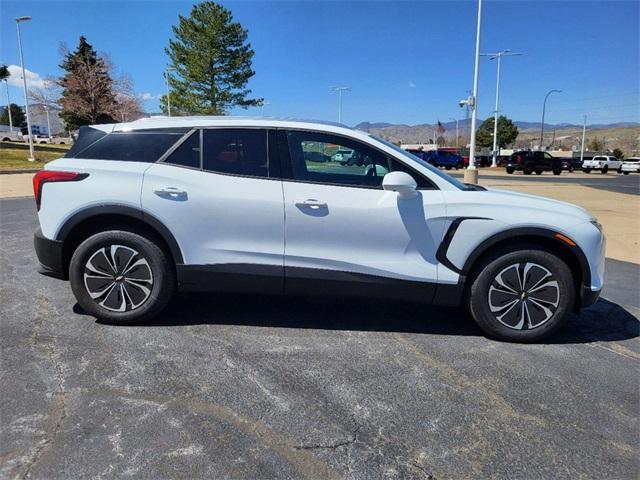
column 625, row 173
column 557, row 171
column 139, row 304
column 510, row 170
column 528, row 169
column 620, row 170
column 586, row 170
column 538, row 172
column 459, row 165
column 539, row 322
column 605, row 169
column 448, row 167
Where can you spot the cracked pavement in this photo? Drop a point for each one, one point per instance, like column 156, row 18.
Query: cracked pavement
column 257, row 387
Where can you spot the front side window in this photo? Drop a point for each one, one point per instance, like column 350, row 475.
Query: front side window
column 235, row 151
column 315, row 158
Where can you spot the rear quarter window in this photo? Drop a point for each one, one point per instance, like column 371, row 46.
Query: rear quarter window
column 134, row 146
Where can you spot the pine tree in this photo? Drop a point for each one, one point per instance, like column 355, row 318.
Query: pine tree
column 212, row 62
column 507, row 132
column 87, row 88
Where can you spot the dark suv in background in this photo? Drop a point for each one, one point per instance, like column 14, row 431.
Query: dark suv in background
column 530, row 162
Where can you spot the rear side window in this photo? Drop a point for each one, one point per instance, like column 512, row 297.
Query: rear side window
column 131, row 146
column 188, row 152
column 235, row 151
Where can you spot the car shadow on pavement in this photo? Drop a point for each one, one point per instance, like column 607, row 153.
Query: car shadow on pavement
column 604, row 321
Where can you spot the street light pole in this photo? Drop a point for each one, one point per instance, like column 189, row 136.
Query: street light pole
column 262, row 105
column 166, row 81
column 46, row 109
column 471, row 173
column 340, row 90
column 497, row 56
column 6, row 82
column 24, row 84
column 544, row 107
column 584, row 131
column 456, row 120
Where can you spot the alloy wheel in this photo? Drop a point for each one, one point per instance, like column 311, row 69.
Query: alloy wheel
column 524, row 296
column 118, row 278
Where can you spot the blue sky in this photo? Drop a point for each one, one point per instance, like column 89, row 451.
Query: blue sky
column 406, row 62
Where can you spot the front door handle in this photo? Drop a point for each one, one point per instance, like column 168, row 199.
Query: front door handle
column 310, row 203
column 171, row 193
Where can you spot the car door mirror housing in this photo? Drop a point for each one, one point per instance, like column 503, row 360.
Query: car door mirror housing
column 400, row 182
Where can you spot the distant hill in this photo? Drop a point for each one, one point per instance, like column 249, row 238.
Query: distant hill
column 623, row 135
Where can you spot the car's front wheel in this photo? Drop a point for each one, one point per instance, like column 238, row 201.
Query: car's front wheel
column 121, row 277
column 522, row 295
column 605, row 169
column 586, row 170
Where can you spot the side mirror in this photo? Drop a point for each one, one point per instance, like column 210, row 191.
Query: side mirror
column 400, row 182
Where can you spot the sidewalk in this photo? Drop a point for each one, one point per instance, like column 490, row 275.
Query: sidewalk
column 619, row 213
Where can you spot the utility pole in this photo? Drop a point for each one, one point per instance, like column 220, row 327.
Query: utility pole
column 340, row 90
column 46, row 109
column 471, row 173
column 498, row 56
column 584, row 131
column 6, row 82
column 32, row 157
column 544, row 107
column 166, row 81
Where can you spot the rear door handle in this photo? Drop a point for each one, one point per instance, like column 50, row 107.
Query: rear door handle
column 310, row 203
column 171, row 193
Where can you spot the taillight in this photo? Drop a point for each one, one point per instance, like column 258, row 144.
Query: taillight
column 47, row 176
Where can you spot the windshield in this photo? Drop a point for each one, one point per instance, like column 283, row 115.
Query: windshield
column 448, row 178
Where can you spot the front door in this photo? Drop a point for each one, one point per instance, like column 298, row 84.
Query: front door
column 344, row 233
column 216, row 195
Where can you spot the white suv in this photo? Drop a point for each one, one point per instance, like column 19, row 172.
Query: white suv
column 604, row 163
column 631, row 165
column 136, row 212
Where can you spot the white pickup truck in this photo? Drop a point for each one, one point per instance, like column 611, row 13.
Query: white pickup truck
column 15, row 136
column 604, row 163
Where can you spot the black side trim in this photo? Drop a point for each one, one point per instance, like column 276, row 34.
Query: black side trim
column 231, row 277
column 529, row 231
column 441, row 253
column 321, row 282
column 49, row 254
column 126, row 211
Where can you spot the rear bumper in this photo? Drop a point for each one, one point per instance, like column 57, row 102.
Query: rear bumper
column 49, row 254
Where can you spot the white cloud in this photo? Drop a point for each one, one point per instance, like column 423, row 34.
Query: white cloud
column 146, row 96
column 411, row 85
column 33, row 79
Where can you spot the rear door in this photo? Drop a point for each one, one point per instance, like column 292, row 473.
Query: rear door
column 218, row 195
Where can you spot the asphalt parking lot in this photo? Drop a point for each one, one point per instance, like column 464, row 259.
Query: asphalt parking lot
column 255, row 387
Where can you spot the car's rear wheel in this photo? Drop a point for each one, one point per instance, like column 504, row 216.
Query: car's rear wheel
column 528, row 169
column 522, row 295
column 510, row 170
column 539, row 172
column 557, row 171
column 626, row 173
column 121, row 277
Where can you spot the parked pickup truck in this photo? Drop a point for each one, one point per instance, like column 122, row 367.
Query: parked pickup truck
column 14, row 136
column 604, row 163
column 440, row 158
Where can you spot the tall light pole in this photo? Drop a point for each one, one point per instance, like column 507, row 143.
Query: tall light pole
column 584, row 131
column 497, row 56
column 46, row 109
column 456, row 120
column 544, row 107
column 24, row 84
column 471, row 173
column 340, row 90
column 6, row 82
column 263, row 104
column 166, row 81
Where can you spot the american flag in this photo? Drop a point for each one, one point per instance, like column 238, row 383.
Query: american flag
column 441, row 128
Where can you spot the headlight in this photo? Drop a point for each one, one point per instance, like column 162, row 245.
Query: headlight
column 597, row 224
